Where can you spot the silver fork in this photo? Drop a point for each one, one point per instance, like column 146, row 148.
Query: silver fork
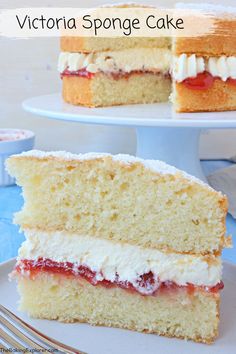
column 12, row 335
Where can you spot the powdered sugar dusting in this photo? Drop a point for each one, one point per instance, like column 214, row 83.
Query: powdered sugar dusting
column 157, row 166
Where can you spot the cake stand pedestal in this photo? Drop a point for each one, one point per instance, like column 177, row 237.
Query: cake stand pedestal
column 176, row 146
column 161, row 133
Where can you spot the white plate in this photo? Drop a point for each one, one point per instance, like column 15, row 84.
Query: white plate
column 158, row 114
column 100, row 340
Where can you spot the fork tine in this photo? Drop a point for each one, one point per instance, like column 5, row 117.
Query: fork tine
column 11, row 341
column 38, row 335
column 30, row 342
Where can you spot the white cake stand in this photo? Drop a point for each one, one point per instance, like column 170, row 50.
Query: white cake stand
column 161, row 133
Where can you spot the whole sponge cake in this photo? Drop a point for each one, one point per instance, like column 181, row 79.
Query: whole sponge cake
column 113, row 71
column 119, row 198
column 119, row 241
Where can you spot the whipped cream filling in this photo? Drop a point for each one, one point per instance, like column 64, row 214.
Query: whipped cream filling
column 190, row 66
column 134, row 59
column 128, row 262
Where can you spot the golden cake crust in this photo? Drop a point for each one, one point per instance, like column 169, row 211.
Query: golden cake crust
column 210, row 45
column 104, row 90
column 220, row 97
column 77, row 90
column 97, row 44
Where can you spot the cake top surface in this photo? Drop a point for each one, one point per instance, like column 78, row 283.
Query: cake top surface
column 206, row 7
column 153, row 165
column 127, row 4
column 209, row 8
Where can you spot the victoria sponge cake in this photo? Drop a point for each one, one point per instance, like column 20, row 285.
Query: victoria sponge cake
column 199, row 71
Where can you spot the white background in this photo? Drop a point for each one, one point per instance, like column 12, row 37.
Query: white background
column 29, row 68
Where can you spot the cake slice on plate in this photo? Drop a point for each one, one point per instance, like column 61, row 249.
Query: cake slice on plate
column 119, row 241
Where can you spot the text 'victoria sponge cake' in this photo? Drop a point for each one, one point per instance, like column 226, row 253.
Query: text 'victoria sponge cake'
column 198, row 73
column 119, row 241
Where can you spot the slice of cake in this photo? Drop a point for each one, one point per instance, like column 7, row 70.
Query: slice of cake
column 119, row 241
column 204, row 70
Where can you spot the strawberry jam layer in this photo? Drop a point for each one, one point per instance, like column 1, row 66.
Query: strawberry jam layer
column 232, row 81
column 115, row 75
column 204, row 81
column 146, row 284
column 81, row 73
